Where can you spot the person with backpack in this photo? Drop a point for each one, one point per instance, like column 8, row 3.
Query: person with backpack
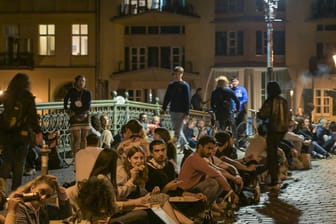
column 19, row 127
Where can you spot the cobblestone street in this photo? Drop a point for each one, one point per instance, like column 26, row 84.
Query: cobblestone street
column 308, row 198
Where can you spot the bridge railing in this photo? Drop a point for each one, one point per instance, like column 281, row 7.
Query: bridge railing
column 119, row 110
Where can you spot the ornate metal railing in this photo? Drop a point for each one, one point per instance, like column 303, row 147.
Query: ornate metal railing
column 118, row 109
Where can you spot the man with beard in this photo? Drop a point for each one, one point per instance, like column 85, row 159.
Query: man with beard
column 197, row 174
column 161, row 172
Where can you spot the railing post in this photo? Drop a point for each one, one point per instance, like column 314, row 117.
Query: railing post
column 114, row 113
column 44, row 159
column 127, row 106
column 158, row 106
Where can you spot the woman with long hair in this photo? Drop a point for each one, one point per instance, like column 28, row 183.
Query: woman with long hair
column 19, row 127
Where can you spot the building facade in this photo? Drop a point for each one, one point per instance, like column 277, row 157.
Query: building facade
column 134, row 44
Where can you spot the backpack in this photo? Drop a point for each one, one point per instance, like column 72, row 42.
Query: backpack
column 12, row 118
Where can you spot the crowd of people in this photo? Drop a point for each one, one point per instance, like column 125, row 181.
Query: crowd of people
column 136, row 176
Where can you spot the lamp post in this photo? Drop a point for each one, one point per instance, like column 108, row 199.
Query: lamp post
column 270, row 10
column 291, row 94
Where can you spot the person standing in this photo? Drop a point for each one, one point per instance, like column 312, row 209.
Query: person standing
column 19, row 127
column 221, row 99
column 80, row 102
column 196, row 100
column 242, row 96
column 275, row 113
column 178, row 96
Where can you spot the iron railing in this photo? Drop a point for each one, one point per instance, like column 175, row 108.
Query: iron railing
column 119, row 110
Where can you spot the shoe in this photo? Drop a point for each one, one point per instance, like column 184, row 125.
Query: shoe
column 30, row 172
column 273, row 187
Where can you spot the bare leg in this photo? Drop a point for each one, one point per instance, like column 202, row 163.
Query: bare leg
column 83, row 143
column 177, row 216
column 75, row 144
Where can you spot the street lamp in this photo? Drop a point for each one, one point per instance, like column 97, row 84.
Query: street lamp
column 291, row 94
column 270, row 10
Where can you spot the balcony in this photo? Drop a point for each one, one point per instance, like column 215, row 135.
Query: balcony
column 323, row 9
column 125, row 67
column 16, row 60
column 132, row 14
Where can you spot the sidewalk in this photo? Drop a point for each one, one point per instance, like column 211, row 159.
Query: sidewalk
column 308, row 198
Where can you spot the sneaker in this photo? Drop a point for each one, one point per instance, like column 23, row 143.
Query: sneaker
column 30, row 172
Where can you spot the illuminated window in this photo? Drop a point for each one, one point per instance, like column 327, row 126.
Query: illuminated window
column 322, row 102
column 47, row 39
column 79, row 39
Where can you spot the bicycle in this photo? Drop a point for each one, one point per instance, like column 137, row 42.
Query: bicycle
column 246, row 129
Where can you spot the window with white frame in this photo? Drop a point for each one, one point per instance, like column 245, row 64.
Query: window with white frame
column 47, row 39
column 322, row 102
column 136, row 95
column 79, row 39
column 138, row 58
column 229, row 43
column 164, row 57
column 279, row 42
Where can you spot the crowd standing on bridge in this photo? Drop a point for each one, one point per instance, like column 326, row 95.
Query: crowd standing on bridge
column 135, row 177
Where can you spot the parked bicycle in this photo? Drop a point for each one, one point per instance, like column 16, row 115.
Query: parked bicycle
column 246, row 129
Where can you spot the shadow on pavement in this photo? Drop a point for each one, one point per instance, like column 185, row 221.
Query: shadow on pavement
column 280, row 211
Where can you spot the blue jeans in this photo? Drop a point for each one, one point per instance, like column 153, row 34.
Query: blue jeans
column 177, row 119
column 319, row 149
column 14, row 160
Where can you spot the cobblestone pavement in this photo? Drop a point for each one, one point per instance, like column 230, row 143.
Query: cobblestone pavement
column 309, row 198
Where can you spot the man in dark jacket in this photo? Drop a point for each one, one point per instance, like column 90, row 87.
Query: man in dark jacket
column 221, row 100
column 178, row 96
column 275, row 113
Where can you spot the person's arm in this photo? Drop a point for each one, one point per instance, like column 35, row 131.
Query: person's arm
column 167, row 97
column 125, row 186
column 11, row 210
column 203, row 167
column 239, row 165
column 265, row 110
column 87, row 102
column 245, row 96
column 66, row 100
column 64, row 209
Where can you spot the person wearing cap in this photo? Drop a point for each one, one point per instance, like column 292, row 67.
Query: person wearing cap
column 178, row 96
column 242, row 96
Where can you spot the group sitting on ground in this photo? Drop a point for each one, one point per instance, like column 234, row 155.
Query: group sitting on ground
column 141, row 182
